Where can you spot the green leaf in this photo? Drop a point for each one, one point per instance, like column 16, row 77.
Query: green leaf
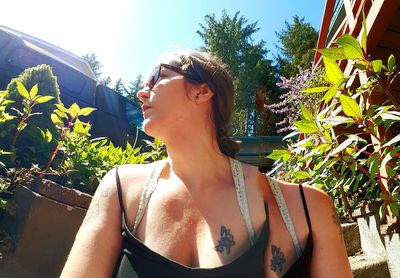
column 333, row 53
column 43, row 99
column 351, row 47
column 337, row 120
column 301, row 175
column 305, row 112
column 389, row 156
column 343, row 145
column 350, row 107
column 374, row 166
column 333, row 73
column 391, row 115
column 391, row 63
column 86, row 111
column 360, row 66
column 394, row 208
column 47, row 136
column 306, row 126
column 21, row 126
column 382, row 211
column 61, row 114
column 62, row 108
column 279, row 154
column 6, row 117
column 377, row 66
column 34, row 91
column 351, row 151
column 330, row 93
column 81, row 128
column 74, row 110
column 392, row 141
column 6, row 102
column 364, row 33
column 22, row 90
column 315, row 90
column 390, row 172
column 56, row 119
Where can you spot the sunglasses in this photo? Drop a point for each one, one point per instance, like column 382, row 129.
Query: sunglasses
column 155, row 75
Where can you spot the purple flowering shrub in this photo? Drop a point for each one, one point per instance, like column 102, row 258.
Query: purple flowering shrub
column 288, row 106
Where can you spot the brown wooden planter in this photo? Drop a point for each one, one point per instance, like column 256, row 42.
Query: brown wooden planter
column 378, row 239
column 47, row 219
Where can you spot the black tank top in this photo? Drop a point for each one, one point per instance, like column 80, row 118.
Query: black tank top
column 137, row 260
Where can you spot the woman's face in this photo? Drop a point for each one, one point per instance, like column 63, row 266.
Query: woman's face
column 166, row 106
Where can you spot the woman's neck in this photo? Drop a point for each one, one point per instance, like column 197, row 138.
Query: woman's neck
column 197, row 161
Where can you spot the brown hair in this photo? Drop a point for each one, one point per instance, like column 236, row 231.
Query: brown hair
column 207, row 68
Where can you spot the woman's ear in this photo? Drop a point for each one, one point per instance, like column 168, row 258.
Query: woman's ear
column 202, row 93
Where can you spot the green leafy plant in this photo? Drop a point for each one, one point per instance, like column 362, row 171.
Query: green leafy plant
column 70, row 128
column 4, row 101
column 29, row 100
column 157, row 150
column 349, row 147
column 25, row 104
column 39, row 137
column 73, row 159
column 4, row 181
column 88, row 161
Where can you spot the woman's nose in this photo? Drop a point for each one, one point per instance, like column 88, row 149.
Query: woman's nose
column 142, row 94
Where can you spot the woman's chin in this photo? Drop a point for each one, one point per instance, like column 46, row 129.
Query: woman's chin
column 149, row 129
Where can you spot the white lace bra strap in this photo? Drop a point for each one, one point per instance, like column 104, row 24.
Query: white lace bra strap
column 285, row 214
column 148, row 188
column 238, row 179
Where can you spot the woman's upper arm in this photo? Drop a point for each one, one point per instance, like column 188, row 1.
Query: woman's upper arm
column 98, row 242
column 329, row 257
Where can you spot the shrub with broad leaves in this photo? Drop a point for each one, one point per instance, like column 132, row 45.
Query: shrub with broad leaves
column 348, row 146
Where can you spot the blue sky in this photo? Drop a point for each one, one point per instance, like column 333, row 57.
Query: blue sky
column 129, row 36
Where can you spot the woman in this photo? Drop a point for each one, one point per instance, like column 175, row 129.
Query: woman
column 200, row 213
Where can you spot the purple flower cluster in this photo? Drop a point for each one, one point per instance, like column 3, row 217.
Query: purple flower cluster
column 288, row 106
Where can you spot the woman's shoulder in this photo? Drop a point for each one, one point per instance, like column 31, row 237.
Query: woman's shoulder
column 311, row 193
column 136, row 170
column 131, row 177
column 319, row 204
column 136, row 175
column 251, row 175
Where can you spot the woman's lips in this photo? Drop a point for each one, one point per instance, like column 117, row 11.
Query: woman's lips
column 145, row 107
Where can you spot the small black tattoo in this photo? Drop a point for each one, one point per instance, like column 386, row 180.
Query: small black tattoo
column 278, row 259
column 226, row 241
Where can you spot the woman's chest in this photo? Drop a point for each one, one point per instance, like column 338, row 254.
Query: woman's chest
column 280, row 254
column 204, row 233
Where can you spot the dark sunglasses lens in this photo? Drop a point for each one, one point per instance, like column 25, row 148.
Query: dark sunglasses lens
column 153, row 78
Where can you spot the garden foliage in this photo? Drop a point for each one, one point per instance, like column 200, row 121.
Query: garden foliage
column 25, row 105
column 348, row 147
column 44, row 139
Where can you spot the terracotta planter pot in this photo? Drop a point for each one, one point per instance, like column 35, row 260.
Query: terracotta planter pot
column 47, row 218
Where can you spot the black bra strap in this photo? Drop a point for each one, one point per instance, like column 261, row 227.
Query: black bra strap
column 118, row 182
column 305, row 207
